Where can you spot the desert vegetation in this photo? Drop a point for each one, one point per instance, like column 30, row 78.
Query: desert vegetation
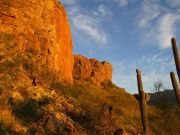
column 42, row 93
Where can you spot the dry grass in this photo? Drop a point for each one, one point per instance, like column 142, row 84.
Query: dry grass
column 95, row 101
column 9, row 121
column 15, row 82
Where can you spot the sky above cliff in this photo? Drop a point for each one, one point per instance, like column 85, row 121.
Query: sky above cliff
column 128, row 33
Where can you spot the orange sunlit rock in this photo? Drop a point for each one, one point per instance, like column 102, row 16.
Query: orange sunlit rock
column 41, row 26
column 92, row 69
column 82, row 67
column 101, row 71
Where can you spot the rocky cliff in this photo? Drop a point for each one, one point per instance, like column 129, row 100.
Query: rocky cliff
column 82, row 67
column 91, row 69
column 40, row 27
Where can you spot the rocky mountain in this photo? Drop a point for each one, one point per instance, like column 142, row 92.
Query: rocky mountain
column 45, row 90
column 40, row 27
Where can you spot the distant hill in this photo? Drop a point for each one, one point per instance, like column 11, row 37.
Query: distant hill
column 165, row 97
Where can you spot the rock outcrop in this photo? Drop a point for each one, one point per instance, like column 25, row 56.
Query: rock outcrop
column 40, row 27
column 101, row 71
column 91, row 69
column 82, row 67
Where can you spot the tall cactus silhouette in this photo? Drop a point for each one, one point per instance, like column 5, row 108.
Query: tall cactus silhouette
column 176, row 87
column 176, row 56
column 142, row 103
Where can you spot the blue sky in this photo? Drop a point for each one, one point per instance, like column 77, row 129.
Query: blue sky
column 128, row 33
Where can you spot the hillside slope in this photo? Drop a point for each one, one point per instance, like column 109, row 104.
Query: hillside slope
column 166, row 97
column 36, row 65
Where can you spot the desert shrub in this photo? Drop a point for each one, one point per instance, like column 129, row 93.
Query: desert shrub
column 32, row 131
column 76, row 91
column 9, row 122
column 30, row 108
column 60, row 5
column 28, row 111
column 49, row 77
column 62, row 88
column 6, row 81
column 6, row 38
column 20, row 59
column 8, row 2
column 166, row 121
column 64, row 132
column 13, row 77
column 21, row 33
column 7, row 66
column 7, row 48
column 125, row 107
column 107, row 84
column 2, row 128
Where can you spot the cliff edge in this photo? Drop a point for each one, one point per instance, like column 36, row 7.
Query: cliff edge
column 39, row 27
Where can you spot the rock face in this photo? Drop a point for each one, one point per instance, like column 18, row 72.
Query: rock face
column 101, row 71
column 82, row 67
column 92, row 69
column 41, row 27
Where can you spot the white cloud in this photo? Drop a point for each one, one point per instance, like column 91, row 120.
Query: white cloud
column 149, row 12
column 158, row 24
column 68, row 2
column 104, row 11
column 73, row 10
column 167, row 29
column 122, row 3
column 89, row 26
column 173, row 2
column 153, row 67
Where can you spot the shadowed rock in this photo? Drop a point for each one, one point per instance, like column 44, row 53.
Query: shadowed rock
column 120, row 131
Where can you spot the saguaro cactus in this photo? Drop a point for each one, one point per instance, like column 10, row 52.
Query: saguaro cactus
column 175, row 87
column 176, row 56
column 142, row 103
